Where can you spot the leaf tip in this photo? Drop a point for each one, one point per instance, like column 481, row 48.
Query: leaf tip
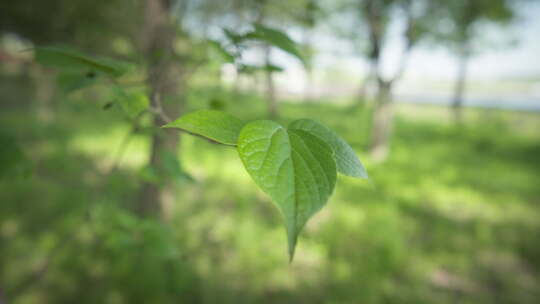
column 293, row 237
column 291, row 253
column 363, row 174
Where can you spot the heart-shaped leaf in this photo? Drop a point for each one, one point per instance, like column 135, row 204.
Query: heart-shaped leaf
column 295, row 168
column 214, row 125
column 346, row 160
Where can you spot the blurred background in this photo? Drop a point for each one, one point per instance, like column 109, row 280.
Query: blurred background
column 440, row 99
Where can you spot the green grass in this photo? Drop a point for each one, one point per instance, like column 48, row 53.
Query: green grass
column 452, row 216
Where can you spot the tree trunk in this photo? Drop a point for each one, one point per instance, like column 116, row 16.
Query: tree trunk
column 382, row 121
column 45, row 88
column 309, row 94
column 383, row 113
column 459, row 89
column 158, row 36
column 308, row 66
column 271, row 100
column 362, row 93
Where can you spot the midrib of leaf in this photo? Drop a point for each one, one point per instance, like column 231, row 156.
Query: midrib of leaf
column 301, row 163
column 266, row 150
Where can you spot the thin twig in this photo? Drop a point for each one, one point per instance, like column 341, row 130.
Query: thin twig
column 158, row 110
column 123, row 145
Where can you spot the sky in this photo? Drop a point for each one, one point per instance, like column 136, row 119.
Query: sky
column 520, row 60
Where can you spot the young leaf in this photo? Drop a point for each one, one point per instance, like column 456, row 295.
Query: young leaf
column 215, row 125
column 172, row 168
column 248, row 69
column 272, row 68
column 65, row 58
column 233, row 37
column 70, row 81
column 275, row 38
column 223, row 53
column 294, row 167
column 131, row 102
column 346, row 160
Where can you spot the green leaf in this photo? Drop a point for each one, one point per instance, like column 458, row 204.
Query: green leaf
column 149, row 174
column 65, row 58
column 71, row 81
column 214, row 125
column 346, row 160
column 223, row 53
column 172, row 168
column 216, row 103
column 131, row 102
column 275, row 38
column 296, row 169
column 272, row 68
column 233, row 37
column 248, row 69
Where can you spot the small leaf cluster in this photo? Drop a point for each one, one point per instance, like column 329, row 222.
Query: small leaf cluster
column 296, row 165
column 230, row 51
column 77, row 70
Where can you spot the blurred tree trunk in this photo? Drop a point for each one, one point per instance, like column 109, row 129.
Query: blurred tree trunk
column 362, row 93
column 308, row 66
column 382, row 121
column 309, row 89
column 271, row 100
column 158, row 34
column 45, row 90
column 383, row 113
column 459, row 89
column 312, row 12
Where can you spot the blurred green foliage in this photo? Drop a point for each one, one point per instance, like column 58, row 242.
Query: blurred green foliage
column 452, row 216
